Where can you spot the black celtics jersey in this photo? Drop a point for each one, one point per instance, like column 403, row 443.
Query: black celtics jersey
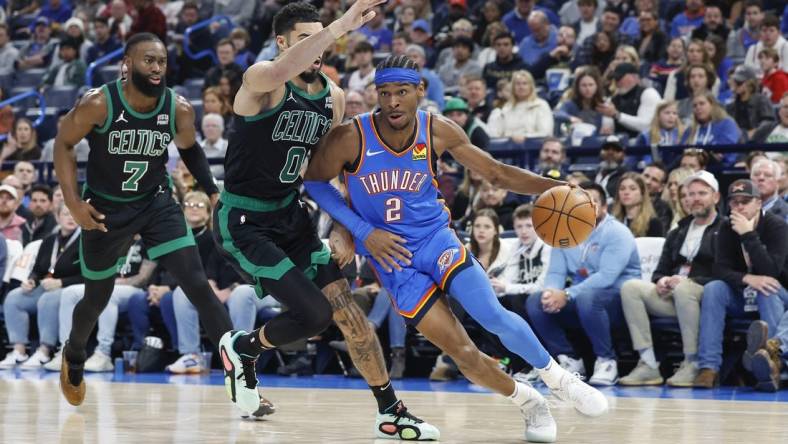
column 128, row 154
column 265, row 152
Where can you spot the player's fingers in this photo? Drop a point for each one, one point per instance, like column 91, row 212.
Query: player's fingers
column 368, row 16
column 399, row 256
column 407, row 255
column 96, row 214
column 400, row 243
column 392, row 261
column 379, row 260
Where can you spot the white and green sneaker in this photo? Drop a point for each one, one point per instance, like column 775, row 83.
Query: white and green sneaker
column 402, row 425
column 240, row 379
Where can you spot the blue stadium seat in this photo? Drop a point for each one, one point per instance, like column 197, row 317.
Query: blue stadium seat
column 6, row 82
column 29, row 77
column 194, row 88
column 106, row 74
column 26, row 103
column 48, row 127
column 61, row 96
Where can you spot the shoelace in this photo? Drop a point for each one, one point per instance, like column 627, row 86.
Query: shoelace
column 402, row 412
column 249, row 374
column 538, row 415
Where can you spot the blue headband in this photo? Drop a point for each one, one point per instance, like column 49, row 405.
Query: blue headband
column 397, row 75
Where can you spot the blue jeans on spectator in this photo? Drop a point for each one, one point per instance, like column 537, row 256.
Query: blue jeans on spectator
column 107, row 321
column 782, row 326
column 720, row 300
column 18, row 307
column 382, row 310
column 245, row 306
column 139, row 312
column 594, row 310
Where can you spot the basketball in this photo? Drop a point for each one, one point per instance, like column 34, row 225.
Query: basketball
column 564, row 217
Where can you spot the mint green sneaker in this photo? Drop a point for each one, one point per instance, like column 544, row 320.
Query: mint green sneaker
column 240, row 379
column 402, row 425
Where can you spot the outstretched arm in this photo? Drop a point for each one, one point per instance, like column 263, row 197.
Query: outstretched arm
column 190, row 151
column 90, row 112
column 448, row 137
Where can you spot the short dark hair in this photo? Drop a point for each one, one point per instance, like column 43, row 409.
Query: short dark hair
column 41, row 188
column 465, row 41
column 770, row 53
column 70, row 42
column 524, row 211
column 140, row 38
column 102, row 20
column 596, row 187
column 190, row 5
column 753, row 3
column 587, row 2
column 503, row 35
column 226, row 41
column 660, row 166
column 293, row 13
column 402, row 35
column 400, row 61
column 363, row 46
column 771, row 21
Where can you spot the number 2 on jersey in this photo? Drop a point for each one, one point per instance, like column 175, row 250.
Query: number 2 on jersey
column 393, row 209
column 137, row 170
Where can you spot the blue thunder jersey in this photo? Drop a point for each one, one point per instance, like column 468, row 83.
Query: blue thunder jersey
column 397, row 191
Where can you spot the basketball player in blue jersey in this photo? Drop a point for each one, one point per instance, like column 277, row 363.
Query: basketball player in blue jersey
column 398, row 220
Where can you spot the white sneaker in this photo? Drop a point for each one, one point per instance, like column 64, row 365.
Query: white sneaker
column 36, row 362
column 527, row 378
column 54, row 364
column 584, row 398
column 12, row 359
column 189, row 364
column 539, row 423
column 605, row 372
column 99, row 362
column 572, row 365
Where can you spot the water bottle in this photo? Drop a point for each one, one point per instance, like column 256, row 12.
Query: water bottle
column 750, row 295
column 119, row 367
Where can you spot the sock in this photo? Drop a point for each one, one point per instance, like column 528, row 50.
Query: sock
column 522, row 394
column 647, row 356
column 551, row 374
column 75, row 360
column 386, row 397
column 250, row 344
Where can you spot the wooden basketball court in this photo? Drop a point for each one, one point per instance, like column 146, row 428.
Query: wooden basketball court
column 185, row 411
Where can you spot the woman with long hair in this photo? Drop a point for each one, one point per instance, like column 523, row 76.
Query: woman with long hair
column 633, row 207
column 666, row 128
column 603, row 50
column 485, row 242
column 467, row 194
column 580, row 102
column 676, row 87
column 22, row 143
column 717, row 49
column 214, row 102
column 700, row 78
column 711, row 125
column 671, row 194
column 525, row 115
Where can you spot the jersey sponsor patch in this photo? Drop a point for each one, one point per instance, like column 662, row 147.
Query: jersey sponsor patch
column 329, row 103
column 420, row 152
column 163, row 119
column 446, row 259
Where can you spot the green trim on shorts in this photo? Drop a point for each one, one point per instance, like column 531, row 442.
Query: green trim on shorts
column 110, row 110
column 274, row 272
column 98, row 275
column 112, row 198
column 252, row 204
column 176, row 244
column 317, row 258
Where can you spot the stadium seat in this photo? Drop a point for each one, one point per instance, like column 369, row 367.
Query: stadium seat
column 29, row 77
column 107, row 74
column 60, row 96
column 48, row 127
column 26, row 103
column 194, row 88
column 6, row 82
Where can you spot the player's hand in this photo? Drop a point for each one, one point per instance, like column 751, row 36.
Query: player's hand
column 87, row 216
column 342, row 246
column 357, row 15
column 387, row 249
column 763, row 284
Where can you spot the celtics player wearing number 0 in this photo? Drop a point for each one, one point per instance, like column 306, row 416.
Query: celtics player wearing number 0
column 281, row 111
column 128, row 124
column 400, row 223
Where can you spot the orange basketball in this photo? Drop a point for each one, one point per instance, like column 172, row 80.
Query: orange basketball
column 564, row 217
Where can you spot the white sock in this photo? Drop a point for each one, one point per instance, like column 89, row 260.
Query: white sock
column 647, row 356
column 551, row 374
column 522, row 394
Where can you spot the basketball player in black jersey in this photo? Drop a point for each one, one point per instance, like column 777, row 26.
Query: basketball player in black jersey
column 128, row 124
column 281, row 111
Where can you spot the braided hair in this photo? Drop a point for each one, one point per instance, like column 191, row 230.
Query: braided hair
column 399, row 61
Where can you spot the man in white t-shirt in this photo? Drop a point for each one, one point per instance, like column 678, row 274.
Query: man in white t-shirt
column 677, row 286
column 365, row 70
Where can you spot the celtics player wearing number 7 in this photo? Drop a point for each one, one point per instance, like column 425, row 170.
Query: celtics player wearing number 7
column 128, row 124
column 281, row 111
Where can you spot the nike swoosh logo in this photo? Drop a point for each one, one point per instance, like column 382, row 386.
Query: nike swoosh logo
column 374, row 153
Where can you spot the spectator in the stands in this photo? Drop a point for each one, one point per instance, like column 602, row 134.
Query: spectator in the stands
column 119, row 19
column 660, row 71
column 611, row 165
column 58, row 11
column 213, row 101
column 241, row 40
column 676, row 86
column 151, row 19
column 632, row 206
column 652, row 42
column 740, row 40
column 713, row 23
column 775, row 79
column 354, row 104
column 27, row 174
column 457, row 110
column 43, row 221
column 365, row 70
column 750, row 109
column 751, row 252
column 21, row 209
column 633, row 106
column 75, row 29
column 241, row 12
column 485, row 243
column 229, row 84
column 475, row 94
column 672, row 194
column 552, row 156
column 399, row 43
column 435, row 86
column 103, row 43
column 225, row 52
column 8, row 52
column 517, row 19
column 695, row 159
column 684, row 23
column 700, row 78
column 214, row 144
column 70, row 71
column 525, row 116
column 6, row 115
column 598, row 267
column 371, row 95
column 676, row 286
column 560, row 56
column 770, row 38
column 776, row 132
column 506, row 61
column 580, row 103
column 82, row 149
column 467, row 195
column 624, row 54
column 655, row 175
column 420, row 34
column 666, row 127
column 496, row 199
column 611, row 26
column 491, row 12
column 766, row 175
column 10, row 222
column 56, row 267
column 378, row 34
column 588, row 23
column 22, row 143
column 542, row 39
column 602, row 52
column 710, row 125
column 460, row 64
column 199, row 40
column 576, row 178
column 37, row 53
column 405, row 16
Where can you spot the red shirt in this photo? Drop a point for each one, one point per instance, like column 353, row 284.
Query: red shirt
column 776, row 83
column 150, row 19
